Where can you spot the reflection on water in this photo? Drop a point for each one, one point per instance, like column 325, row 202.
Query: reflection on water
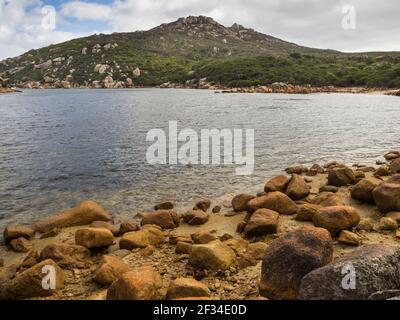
column 58, row 147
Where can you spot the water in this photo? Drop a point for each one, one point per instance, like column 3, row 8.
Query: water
column 58, row 147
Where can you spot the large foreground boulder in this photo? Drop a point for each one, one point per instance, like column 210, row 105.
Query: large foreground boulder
column 341, row 177
column 336, row 219
column 355, row 276
column 239, row 202
column 214, row 256
column 289, row 258
column 110, row 269
column 276, row 201
column 66, row 256
column 15, row 232
column 83, row 214
column 142, row 284
column 363, row 190
column 149, row 236
column 163, row 218
column 42, row 280
column 387, row 195
column 94, row 238
column 297, row 188
column 263, row 221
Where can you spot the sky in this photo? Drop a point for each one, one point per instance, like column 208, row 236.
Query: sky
column 346, row 25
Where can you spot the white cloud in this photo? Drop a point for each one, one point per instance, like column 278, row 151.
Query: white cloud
column 86, row 10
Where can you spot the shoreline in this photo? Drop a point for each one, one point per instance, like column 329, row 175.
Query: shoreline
column 274, row 88
column 170, row 257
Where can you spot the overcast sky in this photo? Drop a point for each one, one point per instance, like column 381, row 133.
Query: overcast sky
column 27, row 24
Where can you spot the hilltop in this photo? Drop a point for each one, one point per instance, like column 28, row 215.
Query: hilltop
column 191, row 49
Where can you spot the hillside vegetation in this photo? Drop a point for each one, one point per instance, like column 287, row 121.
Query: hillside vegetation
column 193, row 48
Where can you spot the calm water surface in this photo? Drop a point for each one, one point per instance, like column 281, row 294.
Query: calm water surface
column 58, row 147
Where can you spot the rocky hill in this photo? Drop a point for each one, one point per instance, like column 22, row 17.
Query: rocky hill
column 188, row 50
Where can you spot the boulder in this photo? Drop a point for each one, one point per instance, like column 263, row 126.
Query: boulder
column 382, row 171
column 297, row 169
column 142, row 284
column 202, row 237
column 140, row 239
column 239, row 202
column 31, row 259
column 336, row 219
column 276, row 201
column 307, row 211
column 341, row 177
column 327, row 188
column 127, row 226
column 66, row 256
column 350, row 238
column 395, row 216
column 387, row 195
column 216, row 209
column 289, row 258
column 105, row 225
column 392, row 155
column 355, row 276
column 297, row 188
column 394, row 166
column 262, row 222
column 327, row 199
column 278, row 183
column 196, row 217
column 83, row 214
column 183, row 248
column 363, row 190
column 34, row 282
column 94, row 238
column 366, row 224
column 237, row 244
column 15, row 232
column 164, row 218
column 20, row 245
column 110, row 269
column 203, row 205
column 168, row 205
column 175, row 238
column 387, row 223
column 213, row 256
column 185, row 288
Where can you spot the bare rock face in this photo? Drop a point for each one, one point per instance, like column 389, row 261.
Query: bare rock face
column 289, row 258
column 110, row 269
column 341, row 177
column 355, row 276
column 149, row 236
column 33, row 282
column 239, row 202
column 276, row 201
column 212, row 256
column 66, row 256
column 387, row 195
column 164, row 218
column 278, row 183
column 336, row 219
column 83, row 214
column 297, row 188
column 186, row 288
column 142, row 284
column 363, row 190
column 196, row 217
column 263, row 221
column 94, row 238
column 15, row 232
